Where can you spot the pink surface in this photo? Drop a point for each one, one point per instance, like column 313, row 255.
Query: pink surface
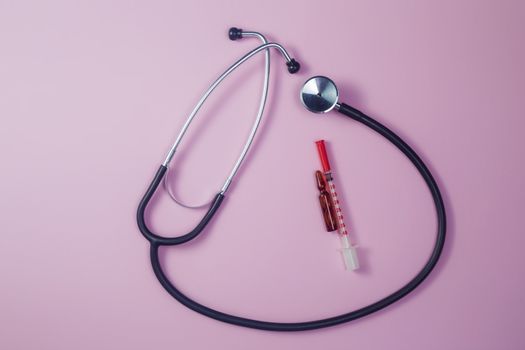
column 93, row 93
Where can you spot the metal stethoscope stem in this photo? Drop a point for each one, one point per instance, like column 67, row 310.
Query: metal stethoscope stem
column 293, row 67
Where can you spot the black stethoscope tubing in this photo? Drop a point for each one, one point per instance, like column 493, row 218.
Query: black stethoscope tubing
column 157, row 241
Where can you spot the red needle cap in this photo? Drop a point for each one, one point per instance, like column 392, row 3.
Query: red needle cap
column 323, row 156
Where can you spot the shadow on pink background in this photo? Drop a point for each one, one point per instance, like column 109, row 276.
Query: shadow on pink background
column 92, row 95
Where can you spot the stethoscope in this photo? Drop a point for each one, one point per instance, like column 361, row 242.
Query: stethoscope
column 319, row 95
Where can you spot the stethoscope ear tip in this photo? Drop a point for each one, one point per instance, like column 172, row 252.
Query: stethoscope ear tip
column 293, row 66
column 235, row 33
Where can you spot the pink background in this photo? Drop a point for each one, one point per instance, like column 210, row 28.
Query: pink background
column 92, row 94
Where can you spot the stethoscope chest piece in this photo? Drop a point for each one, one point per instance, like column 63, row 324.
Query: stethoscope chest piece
column 319, row 94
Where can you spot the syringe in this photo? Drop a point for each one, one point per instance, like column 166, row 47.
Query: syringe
column 348, row 250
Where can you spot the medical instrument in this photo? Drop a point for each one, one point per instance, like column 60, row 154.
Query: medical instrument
column 325, row 201
column 348, row 251
column 319, row 95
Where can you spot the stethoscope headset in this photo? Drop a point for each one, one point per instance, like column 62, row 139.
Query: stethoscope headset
column 319, row 95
